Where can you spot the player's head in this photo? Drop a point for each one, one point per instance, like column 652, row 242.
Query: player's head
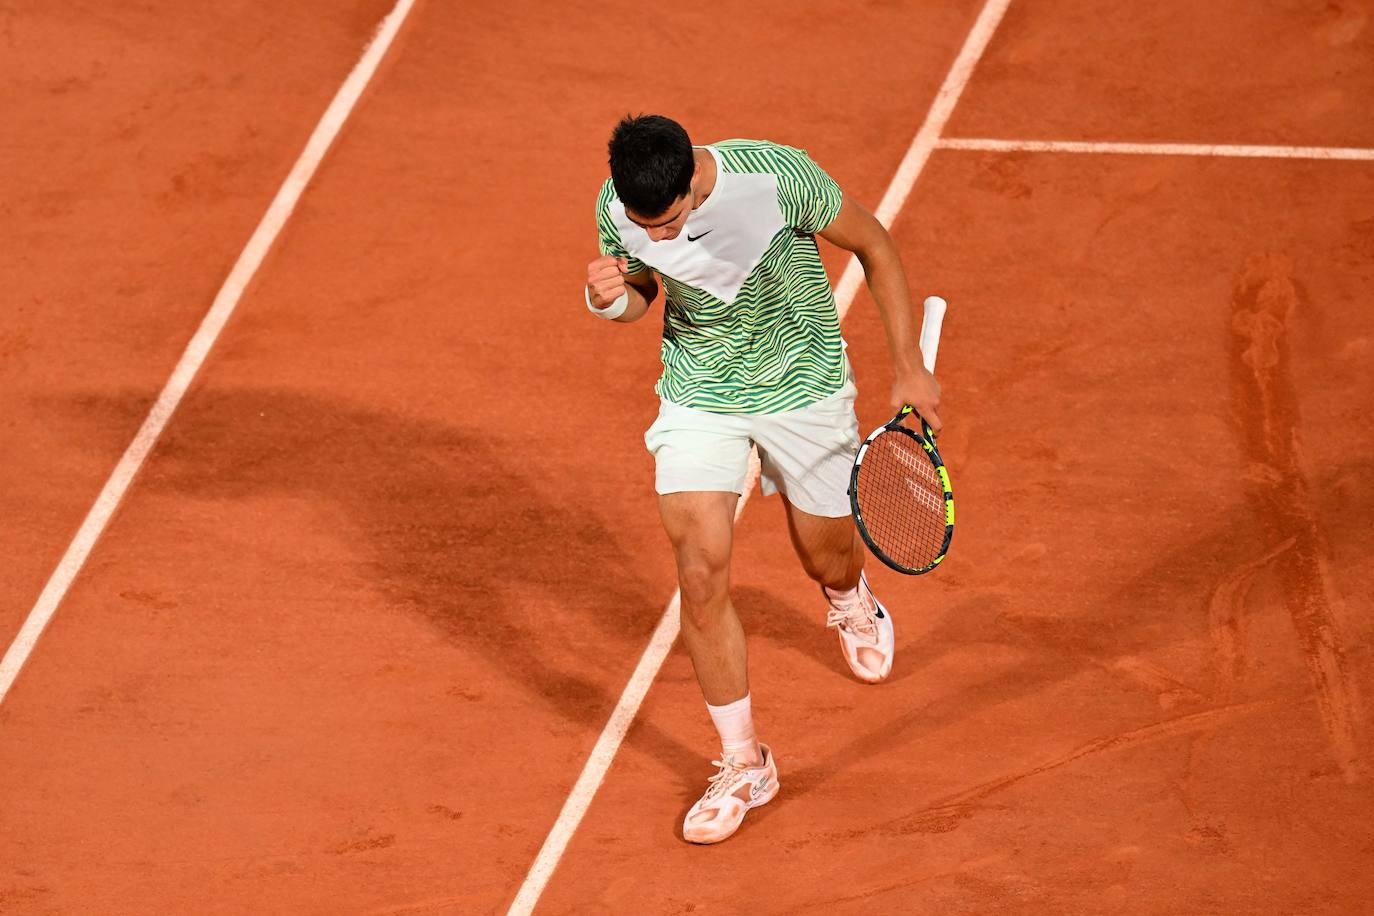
column 652, row 167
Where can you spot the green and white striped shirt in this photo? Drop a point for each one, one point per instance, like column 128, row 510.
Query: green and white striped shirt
column 750, row 324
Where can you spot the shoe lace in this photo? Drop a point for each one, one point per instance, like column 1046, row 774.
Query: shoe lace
column 857, row 616
column 725, row 779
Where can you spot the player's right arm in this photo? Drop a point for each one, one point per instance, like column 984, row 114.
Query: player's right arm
column 608, row 278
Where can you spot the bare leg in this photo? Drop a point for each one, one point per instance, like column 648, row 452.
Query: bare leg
column 833, row 555
column 829, row 548
column 701, row 529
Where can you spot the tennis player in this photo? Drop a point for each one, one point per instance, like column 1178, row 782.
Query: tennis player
column 752, row 355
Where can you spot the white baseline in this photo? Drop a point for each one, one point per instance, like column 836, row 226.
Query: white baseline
column 250, row 259
column 608, row 743
column 1162, row 149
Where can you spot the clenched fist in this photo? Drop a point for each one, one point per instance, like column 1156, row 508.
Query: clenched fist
column 606, row 280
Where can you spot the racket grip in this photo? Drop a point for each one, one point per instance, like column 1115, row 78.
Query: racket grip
column 931, row 322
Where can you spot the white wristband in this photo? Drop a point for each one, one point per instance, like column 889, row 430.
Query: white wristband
column 610, row 312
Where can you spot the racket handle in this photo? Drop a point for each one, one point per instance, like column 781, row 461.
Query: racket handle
column 930, row 329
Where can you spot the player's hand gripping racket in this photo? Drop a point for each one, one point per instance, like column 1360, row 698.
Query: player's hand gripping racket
column 899, row 489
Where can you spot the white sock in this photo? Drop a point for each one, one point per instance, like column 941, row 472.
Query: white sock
column 735, row 723
column 839, row 597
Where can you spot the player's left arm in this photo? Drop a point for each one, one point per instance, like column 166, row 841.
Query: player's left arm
column 855, row 229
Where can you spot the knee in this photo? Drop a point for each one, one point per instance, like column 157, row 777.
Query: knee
column 703, row 584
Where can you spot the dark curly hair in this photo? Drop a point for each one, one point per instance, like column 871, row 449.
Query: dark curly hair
column 651, row 163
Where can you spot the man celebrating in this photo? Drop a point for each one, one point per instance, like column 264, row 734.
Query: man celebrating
column 752, row 355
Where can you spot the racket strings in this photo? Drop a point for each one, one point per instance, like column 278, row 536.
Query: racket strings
column 901, row 500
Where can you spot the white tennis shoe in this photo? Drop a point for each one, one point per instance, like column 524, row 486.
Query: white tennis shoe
column 732, row 792
column 866, row 635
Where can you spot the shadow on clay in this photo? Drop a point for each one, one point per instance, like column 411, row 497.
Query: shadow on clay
column 766, row 616
column 447, row 529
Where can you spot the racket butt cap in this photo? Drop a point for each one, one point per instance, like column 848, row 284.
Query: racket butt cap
column 931, row 321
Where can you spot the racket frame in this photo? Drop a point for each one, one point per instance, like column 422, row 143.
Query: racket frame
column 926, row 439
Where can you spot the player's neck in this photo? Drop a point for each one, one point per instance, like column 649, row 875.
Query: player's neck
column 706, row 183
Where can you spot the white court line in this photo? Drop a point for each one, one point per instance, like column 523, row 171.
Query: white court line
column 608, row 743
column 1162, row 149
column 191, row 360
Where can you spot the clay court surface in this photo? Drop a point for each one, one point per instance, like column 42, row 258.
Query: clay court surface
column 362, row 614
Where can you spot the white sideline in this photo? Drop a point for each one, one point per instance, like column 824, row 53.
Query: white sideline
column 608, row 743
column 191, row 360
column 1161, row 149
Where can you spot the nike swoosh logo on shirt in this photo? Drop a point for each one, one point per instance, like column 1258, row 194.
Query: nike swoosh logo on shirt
column 693, row 238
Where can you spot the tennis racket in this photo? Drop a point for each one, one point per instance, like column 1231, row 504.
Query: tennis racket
column 899, row 489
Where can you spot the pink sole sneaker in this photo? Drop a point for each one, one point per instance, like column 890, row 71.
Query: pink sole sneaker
column 732, row 792
column 867, row 637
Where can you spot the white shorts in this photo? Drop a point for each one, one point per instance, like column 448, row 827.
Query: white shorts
column 806, row 453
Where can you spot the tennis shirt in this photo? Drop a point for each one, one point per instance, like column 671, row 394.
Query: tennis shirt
column 749, row 324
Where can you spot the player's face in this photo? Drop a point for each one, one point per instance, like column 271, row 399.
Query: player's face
column 669, row 223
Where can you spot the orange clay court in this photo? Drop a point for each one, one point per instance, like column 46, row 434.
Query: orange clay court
column 333, row 579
